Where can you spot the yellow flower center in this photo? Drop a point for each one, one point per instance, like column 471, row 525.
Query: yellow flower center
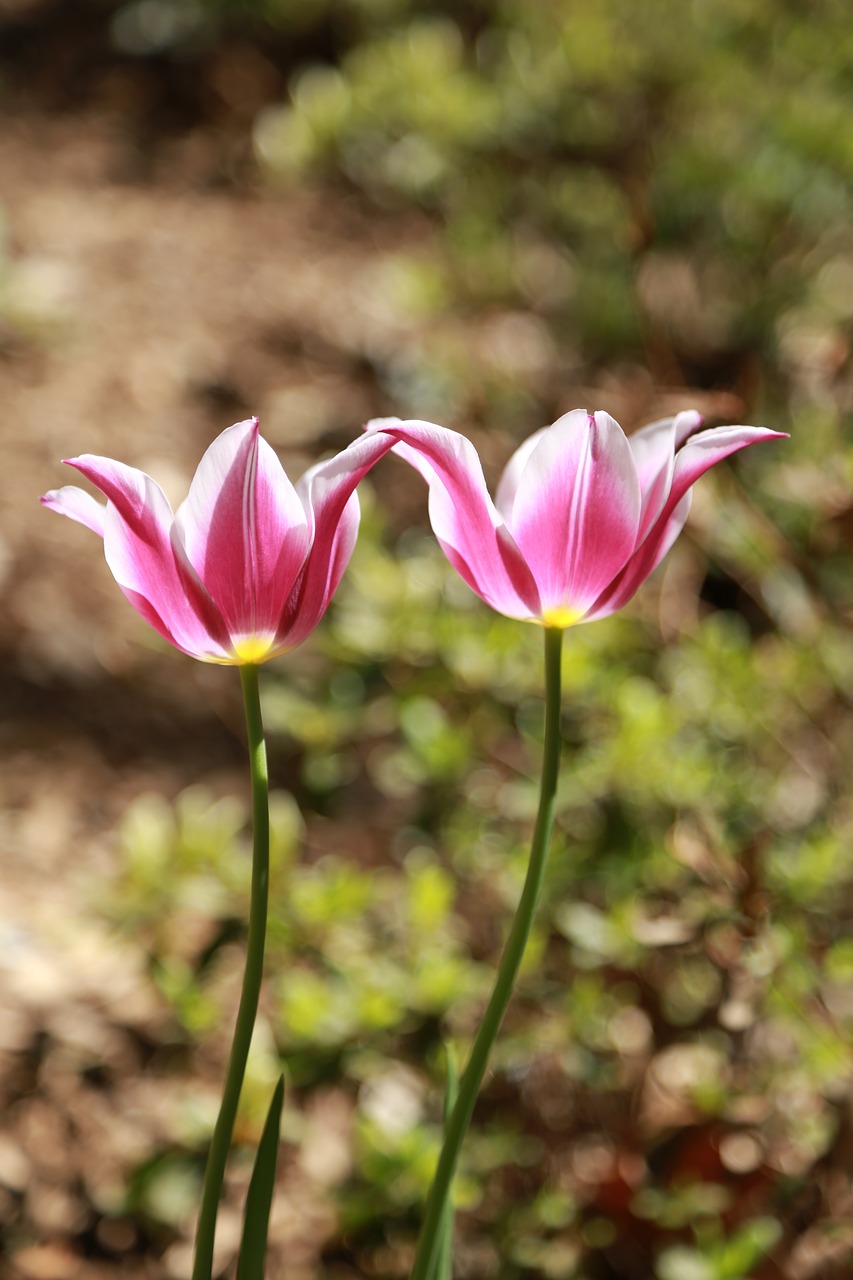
column 561, row 617
column 250, row 650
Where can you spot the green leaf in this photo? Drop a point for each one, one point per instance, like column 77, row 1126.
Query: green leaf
column 253, row 1246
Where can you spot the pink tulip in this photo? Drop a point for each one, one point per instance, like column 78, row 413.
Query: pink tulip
column 247, row 566
column 583, row 513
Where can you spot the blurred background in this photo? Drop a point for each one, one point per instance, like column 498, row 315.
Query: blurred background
column 486, row 213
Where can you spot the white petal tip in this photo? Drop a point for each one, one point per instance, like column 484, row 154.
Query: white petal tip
column 77, row 505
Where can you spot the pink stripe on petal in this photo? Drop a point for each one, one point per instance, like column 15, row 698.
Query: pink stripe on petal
column 577, row 509
column 709, row 447
column 465, row 521
column 138, row 549
column 327, row 493
column 698, row 454
column 170, row 598
column 643, row 562
column 321, row 578
column 244, row 529
column 77, row 505
column 138, row 499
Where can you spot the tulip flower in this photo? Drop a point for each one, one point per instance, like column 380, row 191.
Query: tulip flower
column 241, row 573
column 583, row 515
column 583, row 512
column 247, row 566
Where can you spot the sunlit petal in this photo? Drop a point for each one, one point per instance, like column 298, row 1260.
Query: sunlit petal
column 327, row 493
column 466, row 522
column 244, row 530
column 654, row 448
column 697, row 455
column 138, row 550
column 576, row 509
column 509, row 481
column 77, row 505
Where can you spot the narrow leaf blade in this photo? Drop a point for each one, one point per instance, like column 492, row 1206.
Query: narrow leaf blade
column 253, row 1246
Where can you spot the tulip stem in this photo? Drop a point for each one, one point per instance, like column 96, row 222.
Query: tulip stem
column 469, row 1085
column 252, row 974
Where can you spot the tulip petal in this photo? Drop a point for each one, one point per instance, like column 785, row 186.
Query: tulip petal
column 77, row 505
column 654, row 448
column 709, row 447
column 576, row 510
column 698, row 454
column 244, row 530
column 652, row 445
column 327, row 493
column 643, row 563
column 465, row 521
column 139, row 552
column 513, row 471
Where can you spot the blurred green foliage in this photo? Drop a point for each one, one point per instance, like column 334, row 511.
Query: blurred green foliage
column 672, row 180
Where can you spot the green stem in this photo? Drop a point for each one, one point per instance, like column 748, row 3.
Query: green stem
column 469, row 1085
column 250, row 993
column 444, row 1252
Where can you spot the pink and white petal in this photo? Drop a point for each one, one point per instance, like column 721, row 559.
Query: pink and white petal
column 642, row 564
column 687, row 423
column 653, row 446
column 704, row 450
column 77, row 505
column 320, row 579
column 468, row 526
column 577, row 509
column 138, row 499
column 698, row 454
column 244, row 529
column 508, row 483
column 138, row 549
column 327, row 493
column 654, row 454
column 171, row 599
